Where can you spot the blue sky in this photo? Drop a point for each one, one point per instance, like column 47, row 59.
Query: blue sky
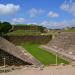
column 49, row 13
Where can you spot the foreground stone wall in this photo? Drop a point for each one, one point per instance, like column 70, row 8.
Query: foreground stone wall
column 10, row 59
column 34, row 39
column 17, row 52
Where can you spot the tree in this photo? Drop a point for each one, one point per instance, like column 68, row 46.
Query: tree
column 41, row 28
column 5, row 27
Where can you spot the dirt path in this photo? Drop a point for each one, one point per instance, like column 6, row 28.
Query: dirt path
column 52, row 70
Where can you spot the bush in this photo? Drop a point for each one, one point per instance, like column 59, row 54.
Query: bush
column 4, row 27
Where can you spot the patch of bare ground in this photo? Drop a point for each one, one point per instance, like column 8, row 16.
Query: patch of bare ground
column 51, row 70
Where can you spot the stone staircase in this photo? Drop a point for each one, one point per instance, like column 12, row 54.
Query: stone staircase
column 63, row 44
column 64, row 41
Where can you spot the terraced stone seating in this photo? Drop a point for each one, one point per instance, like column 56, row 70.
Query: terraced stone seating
column 64, row 42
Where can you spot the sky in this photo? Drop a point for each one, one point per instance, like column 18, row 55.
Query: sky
column 48, row 13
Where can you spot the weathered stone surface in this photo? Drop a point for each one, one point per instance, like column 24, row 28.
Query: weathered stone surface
column 41, row 39
column 64, row 41
column 16, row 52
column 64, row 44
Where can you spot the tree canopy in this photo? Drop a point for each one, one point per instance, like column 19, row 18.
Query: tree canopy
column 4, row 27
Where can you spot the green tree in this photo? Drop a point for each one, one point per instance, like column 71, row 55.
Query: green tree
column 5, row 27
column 41, row 28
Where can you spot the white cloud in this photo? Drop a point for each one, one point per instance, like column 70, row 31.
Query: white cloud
column 18, row 20
column 61, row 24
column 69, row 7
column 34, row 12
column 48, row 24
column 8, row 9
column 52, row 14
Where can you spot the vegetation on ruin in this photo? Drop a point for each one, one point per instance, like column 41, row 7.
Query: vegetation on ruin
column 24, row 32
column 37, row 27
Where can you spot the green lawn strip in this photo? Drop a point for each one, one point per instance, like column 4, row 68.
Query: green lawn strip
column 43, row 56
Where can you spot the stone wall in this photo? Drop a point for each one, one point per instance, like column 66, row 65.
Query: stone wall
column 17, row 52
column 25, row 28
column 10, row 59
column 63, row 41
column 41, row 39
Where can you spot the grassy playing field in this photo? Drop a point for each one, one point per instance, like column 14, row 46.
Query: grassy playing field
column 43, row 56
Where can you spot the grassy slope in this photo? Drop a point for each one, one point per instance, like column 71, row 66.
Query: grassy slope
column 24, row 32
column 43, row 56
column 70, row 30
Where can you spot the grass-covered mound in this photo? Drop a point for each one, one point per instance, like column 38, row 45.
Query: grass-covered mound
column 43, row 56
column 24, row 32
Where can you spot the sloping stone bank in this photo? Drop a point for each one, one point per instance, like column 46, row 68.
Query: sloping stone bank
column 41, row 39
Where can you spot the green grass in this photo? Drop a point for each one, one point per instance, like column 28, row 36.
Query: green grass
column 24, row 32
column 70, row 30
column 43, row 56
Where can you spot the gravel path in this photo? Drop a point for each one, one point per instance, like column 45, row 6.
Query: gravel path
column 52, row 70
